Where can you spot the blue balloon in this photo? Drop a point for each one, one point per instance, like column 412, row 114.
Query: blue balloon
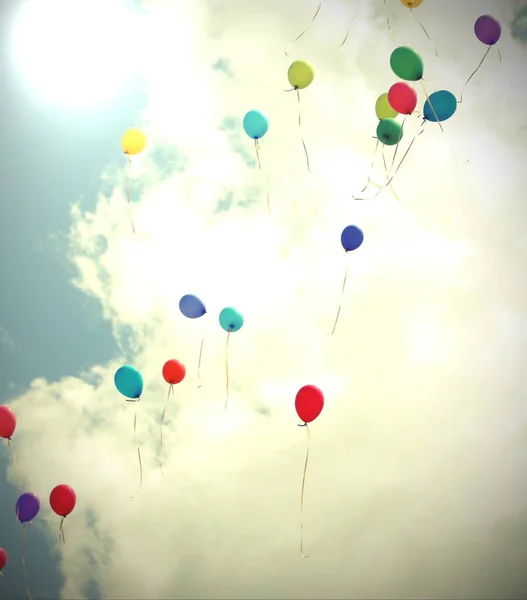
column 351, row 238
column 129, row 381
column 255, row 124
column 230, row 319
column 444, row 105
column 192, row 307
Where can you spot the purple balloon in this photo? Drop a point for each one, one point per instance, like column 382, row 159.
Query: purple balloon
column 487, row 30
column 27, row 507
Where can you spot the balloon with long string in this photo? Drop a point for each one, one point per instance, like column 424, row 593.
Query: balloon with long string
column 319, row 6
column 411, row 5
column 255, row 125
column 193, row 308
column 27, row 508
column 3, row 560
column 129, row 382
column 351, row 238
column 488, row 32
column 62, row 500
column 173, row 373
column 7, row 429
column 309, row 402
column 402, row 98
column 230, row 321
column 133, row 142
column 351, row 24
column 300, row 75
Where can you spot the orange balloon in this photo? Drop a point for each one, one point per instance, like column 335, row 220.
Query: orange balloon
column 412, row 3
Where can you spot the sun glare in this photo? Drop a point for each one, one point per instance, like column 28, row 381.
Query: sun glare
column 73, row 53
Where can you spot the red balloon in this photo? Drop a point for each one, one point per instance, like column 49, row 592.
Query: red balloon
column 62, row 499
column 309, row 403
column 7, row 422
column 174, row 372
column 3, row 558
column 402, row 97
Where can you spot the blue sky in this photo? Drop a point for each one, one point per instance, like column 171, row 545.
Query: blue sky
column 423, row 382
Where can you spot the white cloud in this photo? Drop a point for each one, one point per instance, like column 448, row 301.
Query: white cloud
column 416, row 457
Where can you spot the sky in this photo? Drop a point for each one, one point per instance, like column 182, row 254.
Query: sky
column 415, row 482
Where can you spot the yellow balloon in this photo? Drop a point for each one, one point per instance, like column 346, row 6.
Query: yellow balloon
column 133, row 142
column 300, row 74
column 383, row 110
column 412, row 3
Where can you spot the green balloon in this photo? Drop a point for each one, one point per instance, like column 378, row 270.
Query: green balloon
column 407, row 64
column 389, row 132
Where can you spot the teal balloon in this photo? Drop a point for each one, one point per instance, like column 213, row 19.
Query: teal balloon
column 230, row 319
column 129, row 381
column 255, row 124
column 443, row 103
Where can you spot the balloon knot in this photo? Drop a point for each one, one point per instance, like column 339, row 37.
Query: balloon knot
column 303, row 425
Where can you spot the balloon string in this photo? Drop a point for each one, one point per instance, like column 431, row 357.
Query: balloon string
column 387, row 174
column 257, row 148
column 398, row 142
column 24, row 565
column 302, row 493
column 341, row 294
column 17, row 479
column 170, row 389
column 227, row 370
column 138, row 456
column 300, row 127
column 129, row 162
column 305, row 30
column 425, row 31
column 431, row 105
column 199, row 360
column 475, row 71
column 386, row 15
column 351, row 24
column 61, row 531
column 371, row 166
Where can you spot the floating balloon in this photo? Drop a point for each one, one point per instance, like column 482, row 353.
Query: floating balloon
column 174, row 372
column 300, row 74
column 402, row 98
column 133, row 141
column 3, row 558
column 407, row 64
column 443, row 103
column 27, row 507
column 129, row 381
column 255, row 124
column 62, row 500
column 351, row 238
column 231, row 320
column 309, row 403
column 389, row 132
column 412, row 3
column 383, row 110
column 191, row 306
column 487, row 30
column 7, row 422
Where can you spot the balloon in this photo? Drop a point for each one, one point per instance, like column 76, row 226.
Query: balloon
column 174, row 372
column 129, row 381
column 3, row 558
column 7, row 422
column 191, row 306
column 383, row 110
column 487, row 30
column 300, row 74
column 412, row 3
column 133, row 141
column 402, row 98
column 407, row 64
column 309, row 403
column 27, row 507
column 255, row 124
column 389, row 132
column 444, row 104
column 62, row 500
column 351, row 238
column 230, row 319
